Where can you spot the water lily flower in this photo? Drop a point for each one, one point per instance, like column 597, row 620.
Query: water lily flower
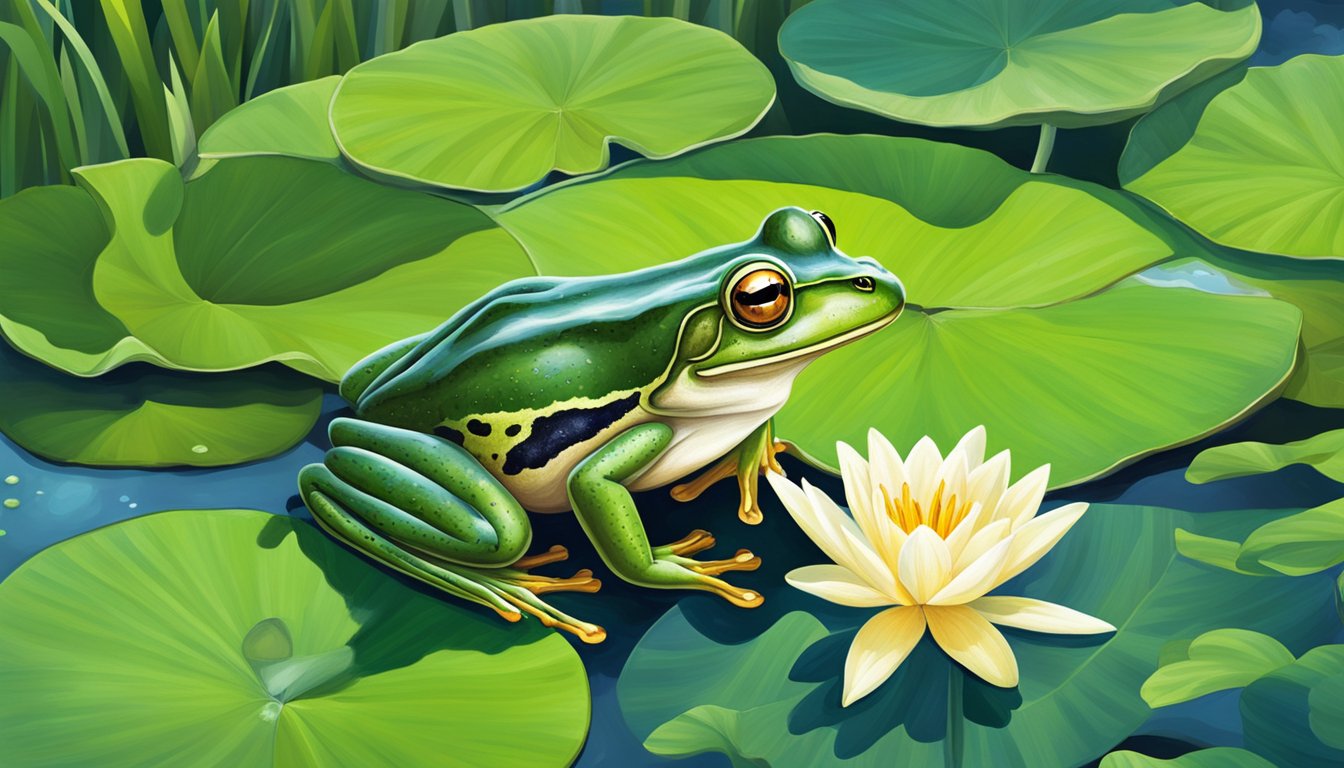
column 930, row 537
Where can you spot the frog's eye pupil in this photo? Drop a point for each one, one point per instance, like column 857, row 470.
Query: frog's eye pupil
column 761, row 298
column 827, row 225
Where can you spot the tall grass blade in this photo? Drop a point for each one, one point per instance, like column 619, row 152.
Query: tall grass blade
column 95, row 75
column 130, row 34
column 182, row 31
column 211, row 90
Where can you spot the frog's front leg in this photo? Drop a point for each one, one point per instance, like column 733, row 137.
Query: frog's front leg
column 426, row 507
column 752, row 458
column 607, row 513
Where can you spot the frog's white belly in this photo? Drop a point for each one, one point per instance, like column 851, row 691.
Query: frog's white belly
column 714, row 416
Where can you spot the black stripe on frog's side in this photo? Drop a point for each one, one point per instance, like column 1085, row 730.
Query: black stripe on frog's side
column 478, row 428
column 554, row 433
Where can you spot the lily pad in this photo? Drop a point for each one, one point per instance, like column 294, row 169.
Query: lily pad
column 1279, row 715
column 1302, row 543
column 1215, row 661
column 693, row 684
column 235, row 637
column 1217, row 757
column 1324, row 452
column 259, row 259
column 288, row 121
column 992, row 63
column 154, row 418
column 497, row 108
column 1010, row 323
column 1263, row 169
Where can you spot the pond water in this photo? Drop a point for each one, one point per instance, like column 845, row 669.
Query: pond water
column 56, row 502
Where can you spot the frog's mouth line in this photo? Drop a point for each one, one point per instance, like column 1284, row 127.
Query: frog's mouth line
column 843, row 338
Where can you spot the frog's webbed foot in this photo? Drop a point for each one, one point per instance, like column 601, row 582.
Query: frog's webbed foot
column 677, row 554
column 518, row 587
column 753, row 458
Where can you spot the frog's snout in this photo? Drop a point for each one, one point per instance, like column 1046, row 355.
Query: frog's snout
column 886, row 287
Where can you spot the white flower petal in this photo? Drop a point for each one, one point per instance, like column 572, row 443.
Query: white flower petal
column 854, row 473
column 972, row 446
column 883, row 642
column 1038, row 616
column 1033, row 540
column 855, row 553
column 952, row 479
column 1021, row 501
column 988, row 481
column 975, row 579
column 980, row 543
column 885, row 463
column 837, row 584
column 961, row 535
column 924, row 564
column 921, row 467
column 827, row 537
column 973, row 642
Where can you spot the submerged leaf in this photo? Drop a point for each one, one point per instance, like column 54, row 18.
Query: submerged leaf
column 1279, row 711
column 1216, row 757
column 128, row 646
column 1295, row 545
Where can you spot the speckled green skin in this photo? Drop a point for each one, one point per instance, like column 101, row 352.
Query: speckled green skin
column 562, row 392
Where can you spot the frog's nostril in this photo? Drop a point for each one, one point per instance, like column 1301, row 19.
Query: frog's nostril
column 864, row 284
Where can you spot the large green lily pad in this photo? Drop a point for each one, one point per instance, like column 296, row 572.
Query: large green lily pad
column 997, row 63
column 1263, row 168
column 258, row 259
column 235, row 637
column 147, row 417
column 1009, row 325
column 497, row 108
column 772, row 698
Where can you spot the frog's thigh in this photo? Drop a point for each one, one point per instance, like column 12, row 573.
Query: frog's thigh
column 422, row 492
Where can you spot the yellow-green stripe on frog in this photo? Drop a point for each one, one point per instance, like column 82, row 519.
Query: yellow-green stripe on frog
column 555, row 394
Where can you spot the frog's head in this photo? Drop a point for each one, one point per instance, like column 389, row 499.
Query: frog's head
column 788, row 295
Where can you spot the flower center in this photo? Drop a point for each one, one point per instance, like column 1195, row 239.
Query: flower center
column 910, row 514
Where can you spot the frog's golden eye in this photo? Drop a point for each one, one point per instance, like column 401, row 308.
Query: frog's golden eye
column 827, row 225
column 761, row 298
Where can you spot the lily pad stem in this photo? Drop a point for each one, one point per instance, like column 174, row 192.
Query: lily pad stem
column 954, row 741
column 1044, row 147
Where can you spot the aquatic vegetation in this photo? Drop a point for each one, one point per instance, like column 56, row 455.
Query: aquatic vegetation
column 1273, row 132
column 994, row 64
column 1020, row 316
column 243, row 638
column 931, row 536
column 769, row 693
column 246, row 198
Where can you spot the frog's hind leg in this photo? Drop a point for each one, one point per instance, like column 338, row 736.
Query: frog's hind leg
column 748, row 461
column 427, row 508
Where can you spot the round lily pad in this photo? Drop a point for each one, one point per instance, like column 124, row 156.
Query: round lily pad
column 235, row 637
column 994, row 63
column 147, row 417
column 1013, row 319
column 258, row 259
column 1263, row 168
column 497, row 108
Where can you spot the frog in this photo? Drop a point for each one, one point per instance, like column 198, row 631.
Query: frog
column 570, row 394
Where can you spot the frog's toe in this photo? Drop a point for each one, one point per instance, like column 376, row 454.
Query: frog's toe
column 555, row 554
column 696, row 541
column 742, row 598
column 581, row 581
column 744, row 560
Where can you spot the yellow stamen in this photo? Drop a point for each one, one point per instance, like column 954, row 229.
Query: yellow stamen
column 903, row 513
column 935, row 509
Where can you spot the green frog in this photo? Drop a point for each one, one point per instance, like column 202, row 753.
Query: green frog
column 555, row 394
